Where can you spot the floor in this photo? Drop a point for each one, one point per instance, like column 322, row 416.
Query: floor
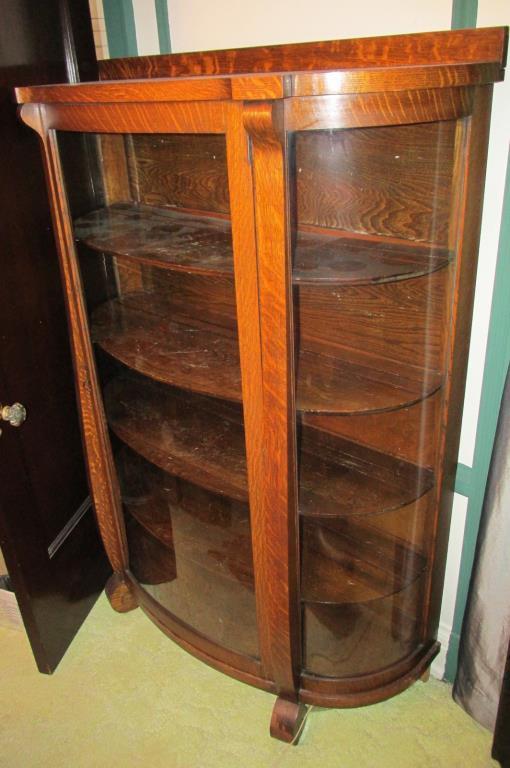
column 125, row 696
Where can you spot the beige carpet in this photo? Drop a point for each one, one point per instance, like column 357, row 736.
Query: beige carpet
column 126, row 696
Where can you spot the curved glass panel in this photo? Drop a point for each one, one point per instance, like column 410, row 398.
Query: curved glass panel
column 373, row 267
column 151, row 221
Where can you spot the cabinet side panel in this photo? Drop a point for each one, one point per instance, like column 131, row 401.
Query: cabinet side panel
column 373, row 277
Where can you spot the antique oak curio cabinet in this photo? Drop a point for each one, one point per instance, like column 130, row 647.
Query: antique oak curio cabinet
column 269, row 259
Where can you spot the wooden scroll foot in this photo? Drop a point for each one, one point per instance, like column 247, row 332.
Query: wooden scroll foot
column 286, row 720
column 119, row 593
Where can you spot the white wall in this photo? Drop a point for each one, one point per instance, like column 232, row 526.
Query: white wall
column 490, row 13
column 146, row 26
column 201, row 24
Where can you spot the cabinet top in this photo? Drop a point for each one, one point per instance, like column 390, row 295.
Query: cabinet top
column 370, row 64
column 460, row 46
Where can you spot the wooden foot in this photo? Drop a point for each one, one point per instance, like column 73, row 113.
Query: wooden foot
column 426, row 676
column 286, row 720
column 118, row 592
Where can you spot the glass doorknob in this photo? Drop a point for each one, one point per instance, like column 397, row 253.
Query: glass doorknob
column 15, row 414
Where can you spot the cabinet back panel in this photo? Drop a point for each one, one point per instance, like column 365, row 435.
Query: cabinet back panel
column 393, row 181
column 182, row 171
column 207, row 298
column 394, row 322
column 408, row 433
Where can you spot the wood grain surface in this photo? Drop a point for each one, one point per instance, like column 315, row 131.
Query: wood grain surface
column 393, row 181
column 358, row 639
column 176, row 239
column 340, row 478
column 183, row 171
column 345, row 561
column 155, row 337
column 187, row 435
column 408, row 433
column 160, row 237
column 196, row 89
column 185, row 117
column 191, row 354
column 396, row 326
column 461, row 46
column 288, row 301
column 332, row 112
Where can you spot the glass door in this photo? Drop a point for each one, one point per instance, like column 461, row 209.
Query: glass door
column 372, row 277
column 152, row 226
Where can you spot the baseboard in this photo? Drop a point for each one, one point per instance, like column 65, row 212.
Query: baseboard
column 438, row 666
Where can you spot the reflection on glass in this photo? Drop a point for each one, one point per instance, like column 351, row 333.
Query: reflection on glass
column 372, row 275
column 155, row 251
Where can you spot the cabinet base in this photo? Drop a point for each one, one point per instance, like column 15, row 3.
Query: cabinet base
column 367, row 689
column 119, row 593
column 286, row 720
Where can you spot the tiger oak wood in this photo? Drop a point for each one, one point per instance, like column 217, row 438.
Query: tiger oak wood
column 425, row 49
column 282, row 258
column 201, row 242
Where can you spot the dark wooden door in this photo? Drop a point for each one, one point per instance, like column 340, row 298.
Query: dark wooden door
column 47, row 530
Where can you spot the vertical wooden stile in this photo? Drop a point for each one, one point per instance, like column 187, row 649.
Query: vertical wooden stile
column 277, row 536
column 248, row 323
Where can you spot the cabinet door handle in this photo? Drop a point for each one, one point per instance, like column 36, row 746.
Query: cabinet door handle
column 15, row 414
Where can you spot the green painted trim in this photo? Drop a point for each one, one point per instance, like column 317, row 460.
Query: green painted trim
column 464, row 13
column 120, row 28
column 463, row 480
column 496, row 365
column 165, row 46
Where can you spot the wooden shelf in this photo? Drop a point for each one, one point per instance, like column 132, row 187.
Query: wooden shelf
column 159, row 236
column 346, row 386
column 202, row 357
column 339, row 257
column 196, row 525
column 343, row 560
column 359, row 638
column 191, row 550
column 348, row 561
column 197, row 243
column 188, row 435
column 336, row 568
column 193, row 355
column 338, row 477
column 202, row 440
